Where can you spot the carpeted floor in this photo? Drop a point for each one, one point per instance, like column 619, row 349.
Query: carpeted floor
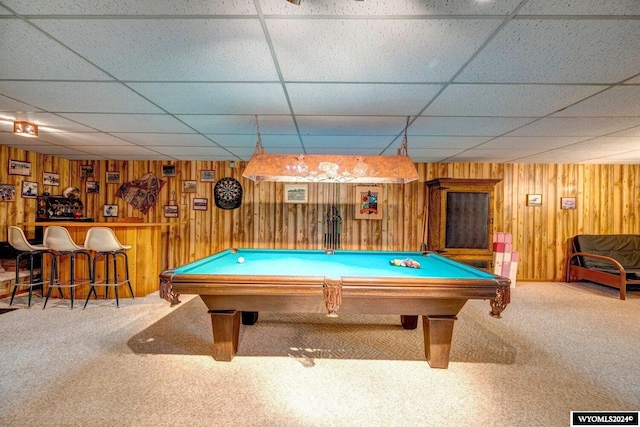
column 559, row 347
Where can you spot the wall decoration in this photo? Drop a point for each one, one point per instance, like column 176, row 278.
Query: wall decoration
column 93, row 187
column 110, row 210
column 86, row 171
column 113, row 177
column 368, row 202
column 207, row 176
column 7, row 192
column 189, row 186
column 50, row 178
column 141, row 193
column 171, row 211
column 200, row 204
column 29, row 189
column 567, row 202
column 17, row 167
column 227, row 193
column 296, row 193
column 168, row 170
column 534, row 199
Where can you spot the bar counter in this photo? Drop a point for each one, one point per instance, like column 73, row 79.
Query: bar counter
column 144, row 256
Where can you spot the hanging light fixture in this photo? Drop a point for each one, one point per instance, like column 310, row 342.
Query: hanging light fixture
column 330, row 167
column 25, row 129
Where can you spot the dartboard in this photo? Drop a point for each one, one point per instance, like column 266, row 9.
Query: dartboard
column 227, row 193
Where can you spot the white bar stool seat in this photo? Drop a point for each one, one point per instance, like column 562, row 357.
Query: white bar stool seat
column 61, row 243
column 19, row 241
column 104, row 242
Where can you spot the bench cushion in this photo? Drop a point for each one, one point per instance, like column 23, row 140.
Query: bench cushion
column 624, row 248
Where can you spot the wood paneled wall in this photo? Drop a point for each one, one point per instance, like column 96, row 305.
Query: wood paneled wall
column 607, row 196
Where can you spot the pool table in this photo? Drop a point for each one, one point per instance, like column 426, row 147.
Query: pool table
column 236, row 284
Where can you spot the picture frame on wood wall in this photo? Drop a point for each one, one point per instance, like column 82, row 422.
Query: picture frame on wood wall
column 200, row 204
column 368, row 202
column 110, row 210
column 534, row 200
column 86, row 171
column 51, row 178
column 296, row 193
column 189, row 186
column 29, row 189
column 93, row 187
column 113, row 177
column 18, row 167
column 207, row 176
column 7, row 193
column 567, row 203
column 171, row 211
column 168, row 170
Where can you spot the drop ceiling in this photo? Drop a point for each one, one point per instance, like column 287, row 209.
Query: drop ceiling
column 502, row 81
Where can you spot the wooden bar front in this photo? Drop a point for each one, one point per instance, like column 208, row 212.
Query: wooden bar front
column 144, row 256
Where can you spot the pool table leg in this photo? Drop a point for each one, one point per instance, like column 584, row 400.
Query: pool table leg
column 438, row 331
column 249, row 317
column 226, row 330
column 409, row 322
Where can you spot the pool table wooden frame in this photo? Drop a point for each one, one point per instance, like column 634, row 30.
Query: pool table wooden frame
column 437, row 300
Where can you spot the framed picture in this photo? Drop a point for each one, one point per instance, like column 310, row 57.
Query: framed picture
column 207, row 176
column 171, row 211
column 200, row 204
column 17, row 167
column 113, row 177
column 110, row 210
column 29, row 189
column 189, row 186
column 296, row 193
column 93, row 187
column 567, row 202
column 367, row 202
column 534, row 199
column 50, row 178
column 86, row 171
column 168, row 170
column 7, row 193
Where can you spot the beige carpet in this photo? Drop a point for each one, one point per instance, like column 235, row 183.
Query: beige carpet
column 559, row 347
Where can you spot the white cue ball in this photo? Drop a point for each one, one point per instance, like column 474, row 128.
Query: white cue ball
column 240, row 260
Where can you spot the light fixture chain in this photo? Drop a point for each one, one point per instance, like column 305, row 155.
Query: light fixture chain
column 259, row 148
column 403, row 150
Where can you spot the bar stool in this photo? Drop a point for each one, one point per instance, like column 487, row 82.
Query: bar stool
column 104, row 242
column 60, row 242
column 18, row 240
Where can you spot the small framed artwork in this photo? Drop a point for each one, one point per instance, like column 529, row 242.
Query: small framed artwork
column 367, row 202
column 86, row 171
column 171, row 211
column 113, row 177
column 7, row 193
column 189, row 186
column 50, row 178
column 567, row 202
column 29, row 189
column 93, row 187
column 207, row 176
column 17, row 167
column 534, row 199
column 168, row 170
column 110, row 210
column 296, row 193
column 200, row 204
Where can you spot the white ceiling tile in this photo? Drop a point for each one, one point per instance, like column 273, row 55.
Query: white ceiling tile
column 351, row 125
column 506, row 100
column 465, row 126
column 269, row 142
column 593, row 126
column 170, row 50
column 566, row 156
column 432, row 142
column 153, row 139
column 509, row 143
column 216, row 98
column 618, row 144
column 312, row 142
column 212, row 150
column 11, row 105
column 503, row 155
column 123, row 7
column 559, row 51
column 122, row 150
column 634, row 131
column 375, row 50
column 635, row 80
column 360, row 99
column 83, row 139
column 391, row 8
column 4, row 11
column 442, row 153
column 130, row 122
column 46, row 59
column 245, row 124
column 554, row 7
column 617, row 101
column 78, row 97
column 630, row 157
column 344, row 150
